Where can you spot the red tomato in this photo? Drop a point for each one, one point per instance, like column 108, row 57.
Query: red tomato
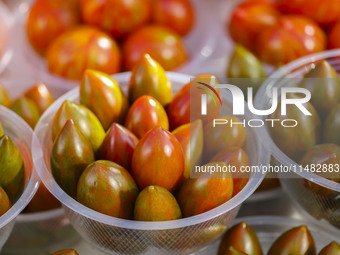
column 237, row 157
column 293, row 37
column 81, row 48
column 158, row 160
column 163, row 45
column 179, row 108
column 49, row 18
column 249, row 19
column 117, row 17
column 175, row 14
column 334, row 36
column 324, row 12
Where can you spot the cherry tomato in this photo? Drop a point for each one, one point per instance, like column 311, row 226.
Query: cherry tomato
column 81, row 48
column 49, row 18
column 175, row 14
column 249, row 19
column 293, row 37
column 117, row 17
column 321, row 11
column 163, row 45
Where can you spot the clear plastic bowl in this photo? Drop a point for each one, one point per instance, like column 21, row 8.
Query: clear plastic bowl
column 200, row 41
column 294, row 183
column 21, row 135
column 269, row 228
column 132, row 237
column 6, row 27
column 43, row 231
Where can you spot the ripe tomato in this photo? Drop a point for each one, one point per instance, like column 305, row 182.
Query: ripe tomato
column 175, row 14
column 117, row 17
column 249, row 19
column 163, row 45
column 334, row 36
column 293, row 37
column 49, row 18
column 323, row 12
column 81, row 48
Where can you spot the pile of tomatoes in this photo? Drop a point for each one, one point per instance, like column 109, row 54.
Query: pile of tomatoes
column 109, row 35
column 135, row 162
column 280, row 31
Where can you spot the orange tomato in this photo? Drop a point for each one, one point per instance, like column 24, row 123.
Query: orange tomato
column 49, row 18
column 117, row 17
column 163, row 45
column 175, row 14
column 81, row 48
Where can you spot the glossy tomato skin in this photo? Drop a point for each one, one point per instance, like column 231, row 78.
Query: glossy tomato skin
column 49, row 18
column 223, row 137
column 235, row 156
column 334, row 36
column 202, row 194
column 241, row 237
column 302, row 35
column 149, row 78
column 102, row 180
column 179, row 108
column 297, row 240
column 175, row 14
column 117, row 17
column 102, row 95
column 156, row 203
column 249, row 19
column 158, row 160
column 71, row 53
column 145, row 114
column 190, row 136
column 322, row 12
column 189, row 96
column 41, row 96
column 160, row 42
column 118, row 146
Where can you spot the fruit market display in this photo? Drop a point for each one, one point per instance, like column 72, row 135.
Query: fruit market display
column 242, row 239
column 140, row 168
column 267, row 27
column 120, row 158
column 77, row 35
column 30, row 106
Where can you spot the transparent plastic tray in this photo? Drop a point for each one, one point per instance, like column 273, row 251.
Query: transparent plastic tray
column 321, row 208
column 37, row 231
column 118, row 236
column 21, row 135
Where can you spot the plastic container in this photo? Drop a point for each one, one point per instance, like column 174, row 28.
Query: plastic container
column 43, row 231
column 132, row 237
column 21, row 135
column 269, row 228
column 327, row 209
column 6, row 26
column 200, row 42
